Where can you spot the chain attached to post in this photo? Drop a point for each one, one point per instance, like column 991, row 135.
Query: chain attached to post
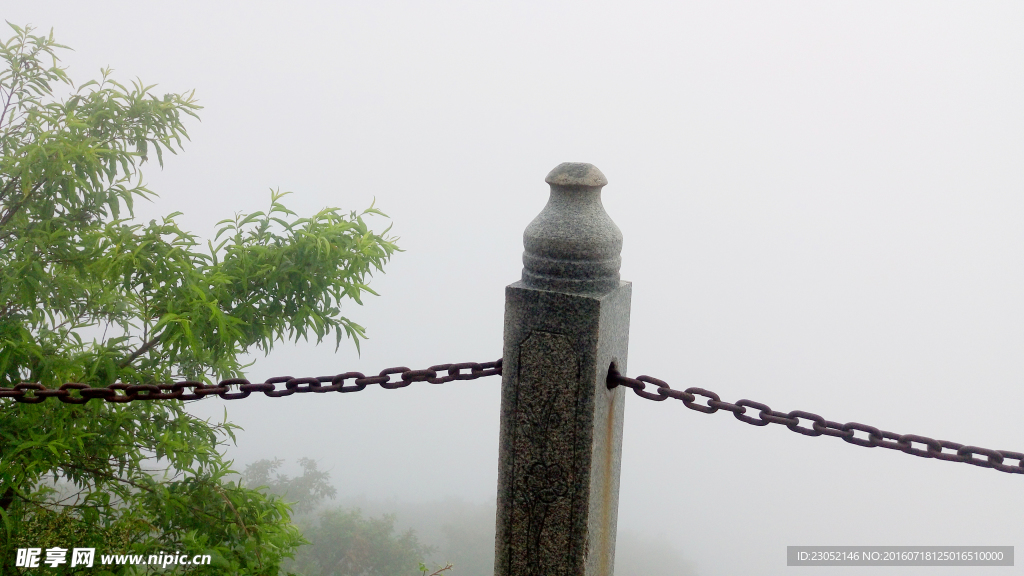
column 994, row 459
column 32, row 393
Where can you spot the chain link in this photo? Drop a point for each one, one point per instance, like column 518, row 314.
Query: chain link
column 818, row 426
column 33, row 393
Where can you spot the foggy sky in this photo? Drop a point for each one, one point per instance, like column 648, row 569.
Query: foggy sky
column 821, row 204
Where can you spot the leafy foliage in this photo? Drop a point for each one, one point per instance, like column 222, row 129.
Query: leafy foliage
column 89, row 295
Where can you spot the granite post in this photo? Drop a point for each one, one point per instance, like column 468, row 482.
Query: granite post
column 566, row 324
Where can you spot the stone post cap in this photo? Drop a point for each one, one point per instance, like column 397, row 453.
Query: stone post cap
column 570, row 174
column 573, row 245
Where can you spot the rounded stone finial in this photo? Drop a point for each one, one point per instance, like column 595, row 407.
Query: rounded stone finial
column 573, row 245
column 576, row 174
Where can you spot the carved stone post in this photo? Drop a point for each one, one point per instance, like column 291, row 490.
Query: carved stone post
column 566, row 323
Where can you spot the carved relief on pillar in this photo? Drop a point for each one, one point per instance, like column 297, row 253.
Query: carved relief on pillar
column 544, row 456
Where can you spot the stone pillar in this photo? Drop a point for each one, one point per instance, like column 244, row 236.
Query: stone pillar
column 566, row 323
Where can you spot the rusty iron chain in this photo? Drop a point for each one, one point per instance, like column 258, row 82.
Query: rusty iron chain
column 995, row 459
column 32, row 393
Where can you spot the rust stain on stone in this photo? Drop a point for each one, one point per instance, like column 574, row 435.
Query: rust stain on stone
column 606, row 492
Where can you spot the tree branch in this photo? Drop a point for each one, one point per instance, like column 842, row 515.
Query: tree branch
column 14, row 208
column 142, row 350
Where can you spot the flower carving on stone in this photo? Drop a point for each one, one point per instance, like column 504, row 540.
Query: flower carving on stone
column 546, row 482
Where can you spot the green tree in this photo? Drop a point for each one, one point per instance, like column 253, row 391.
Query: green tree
column 341, row 542
column 89, row 295
column 304, row 493
column 344, row 543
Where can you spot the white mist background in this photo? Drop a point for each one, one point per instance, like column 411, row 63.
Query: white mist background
column 822, row 206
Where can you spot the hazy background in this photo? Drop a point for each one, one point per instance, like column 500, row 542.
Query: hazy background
column 822, row 205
